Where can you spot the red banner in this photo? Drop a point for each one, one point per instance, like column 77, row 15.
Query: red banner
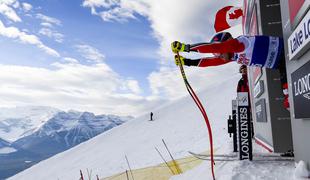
column 294, row 6
column 257, row 73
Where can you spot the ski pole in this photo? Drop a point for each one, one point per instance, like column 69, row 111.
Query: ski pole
column 202, row 110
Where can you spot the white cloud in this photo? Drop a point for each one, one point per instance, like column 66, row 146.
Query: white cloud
column 26, row 7
column 90, row 53
column 117, row 10
column 58, row 37
column 15, row 33
column 7, row 10
column 168, row 82
column 16, row 4
column 94, row 88
column 70, row 60
column 117, row 14
column 100, row 3
column 46, row 24
column 133, row 85
column 93, row 4
column 48, row 19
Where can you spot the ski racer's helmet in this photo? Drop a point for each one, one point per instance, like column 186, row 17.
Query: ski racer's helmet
column 221, row 37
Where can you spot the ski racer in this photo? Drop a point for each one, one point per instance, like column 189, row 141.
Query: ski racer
column 259, row 51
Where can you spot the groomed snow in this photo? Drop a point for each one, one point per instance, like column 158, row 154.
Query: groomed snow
column 301, row 171
column 181, row 125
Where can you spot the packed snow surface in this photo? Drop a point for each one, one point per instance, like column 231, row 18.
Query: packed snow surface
column 182, row 127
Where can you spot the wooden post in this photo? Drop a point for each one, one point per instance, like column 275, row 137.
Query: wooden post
column 89, row 174
column 127, row 175
column 129, row 168
column 174, row 162
column 81, row 174
column 165, row 161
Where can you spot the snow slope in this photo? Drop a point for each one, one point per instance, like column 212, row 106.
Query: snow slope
column 179, row 123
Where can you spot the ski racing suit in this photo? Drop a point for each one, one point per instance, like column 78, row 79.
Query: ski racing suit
column 259, row 51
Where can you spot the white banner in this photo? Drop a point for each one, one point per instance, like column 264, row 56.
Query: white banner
column 300, row 38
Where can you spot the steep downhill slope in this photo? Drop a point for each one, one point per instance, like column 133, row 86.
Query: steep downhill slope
column 179, row 123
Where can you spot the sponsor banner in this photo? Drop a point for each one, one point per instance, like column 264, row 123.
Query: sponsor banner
column 244, row 129
column 260, row 111
column 243, row 99
column 253, row 24
column 247, row 14
column 294, row 7
column 259, row 89
column 301, row 91
column 257, row 73
column 299, row 40
column 234, row 104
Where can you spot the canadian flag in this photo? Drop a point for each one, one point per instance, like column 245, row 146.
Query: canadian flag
column 227, row 17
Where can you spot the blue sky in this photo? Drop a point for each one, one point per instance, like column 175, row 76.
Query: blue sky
column 104, row 56
column 116, row 41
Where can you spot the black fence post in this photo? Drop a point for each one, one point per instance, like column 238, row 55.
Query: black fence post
column 232, row 125
column 244, row 126
column 234, row 121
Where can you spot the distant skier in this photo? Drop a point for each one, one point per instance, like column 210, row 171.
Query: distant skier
column 151, row 116
column 259, row 51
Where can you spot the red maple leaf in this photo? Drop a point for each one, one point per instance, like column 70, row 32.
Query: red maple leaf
column 236, row 14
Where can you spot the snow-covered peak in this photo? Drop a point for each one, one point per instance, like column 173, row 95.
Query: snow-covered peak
column 78, row 121
column 21, row 121
column 4, row 143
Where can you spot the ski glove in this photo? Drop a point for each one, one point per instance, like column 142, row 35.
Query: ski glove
column 177, row 46
column 178, row 60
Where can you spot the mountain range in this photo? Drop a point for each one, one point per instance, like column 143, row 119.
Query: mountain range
column 32, row 134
